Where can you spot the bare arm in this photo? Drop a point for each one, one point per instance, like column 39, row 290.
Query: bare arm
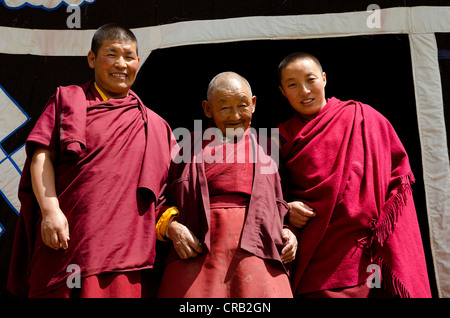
column 54, row 226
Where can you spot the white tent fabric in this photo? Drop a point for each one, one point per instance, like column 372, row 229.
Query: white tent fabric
column 435, row 160
column 420, row 23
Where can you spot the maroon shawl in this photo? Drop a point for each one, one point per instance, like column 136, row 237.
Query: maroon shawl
column 105, row 153
column 349, row 165
column 188, row 190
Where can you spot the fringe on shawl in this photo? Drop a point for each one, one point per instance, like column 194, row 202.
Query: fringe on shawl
column 383, row 228
column 385, row 225
column 391, row 283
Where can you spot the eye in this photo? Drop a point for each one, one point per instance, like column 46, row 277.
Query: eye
column 292, row 85
column 311, row 79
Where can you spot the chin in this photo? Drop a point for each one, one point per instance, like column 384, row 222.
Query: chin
column 239, row 132
column 121, row 90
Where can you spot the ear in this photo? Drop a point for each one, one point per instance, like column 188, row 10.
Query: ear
column 207, row 108
column 91, row 59
column 324, row 77
column 253, row 104
column 281, row 90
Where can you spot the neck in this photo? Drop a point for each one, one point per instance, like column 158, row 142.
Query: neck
column 307, row 118
column 105, row 95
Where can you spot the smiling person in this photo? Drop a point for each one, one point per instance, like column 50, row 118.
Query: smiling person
column 226, row 226
column 89, row 184
column 349, row 188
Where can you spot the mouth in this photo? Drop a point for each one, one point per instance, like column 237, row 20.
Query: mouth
column 120, row 76
column 235, row 126
column 307, row 102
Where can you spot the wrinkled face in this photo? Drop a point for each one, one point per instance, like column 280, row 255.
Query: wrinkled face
column 115, row 65
column 303, row 84
column 231, row 109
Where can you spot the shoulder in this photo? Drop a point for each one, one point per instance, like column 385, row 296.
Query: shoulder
column 370, row 114
column 74, row 87
column 71, row 94
column 373, row 115
column 67, row 92
column 347, row 104
column 351, row 106
column 374, row 121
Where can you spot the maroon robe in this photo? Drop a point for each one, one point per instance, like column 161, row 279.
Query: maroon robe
column 237, row 211
column 112, row 160
column 350, row 167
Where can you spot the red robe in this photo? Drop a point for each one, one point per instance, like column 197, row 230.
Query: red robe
column 107, row 181
column 237, row 212
column 350, row 167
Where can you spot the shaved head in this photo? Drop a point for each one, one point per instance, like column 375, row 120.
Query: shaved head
column 230, row 103
column 227, row 81
column 112, row 32
column 294, row 57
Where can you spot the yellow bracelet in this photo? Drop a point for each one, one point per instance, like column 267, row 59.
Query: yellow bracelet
column 164, row 221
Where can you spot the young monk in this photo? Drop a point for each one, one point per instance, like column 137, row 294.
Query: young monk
column 89, row 184
column 228, row 234
column 349, row 190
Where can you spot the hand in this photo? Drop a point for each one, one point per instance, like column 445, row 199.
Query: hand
column 300, row 213
column 290, row 249
column 184, row 241
column 55, row 229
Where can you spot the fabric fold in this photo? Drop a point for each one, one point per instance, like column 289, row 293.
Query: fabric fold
column 71, row 115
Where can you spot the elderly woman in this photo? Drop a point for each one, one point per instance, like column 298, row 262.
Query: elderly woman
column 228, row 234
column 349, row 190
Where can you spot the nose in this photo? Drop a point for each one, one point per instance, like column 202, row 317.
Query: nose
column 304, row 90
column 120, row 62
column 234, row 114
